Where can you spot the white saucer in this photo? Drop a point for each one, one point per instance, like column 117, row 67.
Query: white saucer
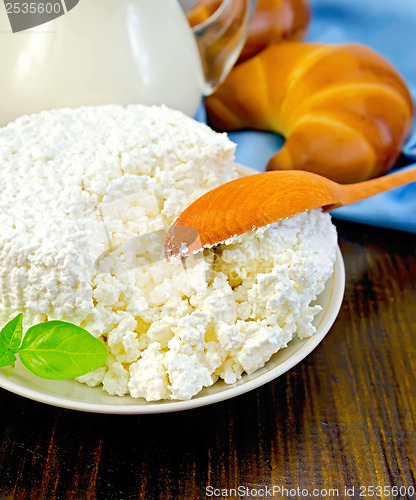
column 74, row 395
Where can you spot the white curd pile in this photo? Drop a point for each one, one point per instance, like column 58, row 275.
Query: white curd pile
column 87, row 195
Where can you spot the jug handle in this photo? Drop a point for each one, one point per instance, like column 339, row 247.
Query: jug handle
column 220, row 39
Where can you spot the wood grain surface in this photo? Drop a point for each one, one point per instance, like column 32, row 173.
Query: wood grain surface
column 342, row 418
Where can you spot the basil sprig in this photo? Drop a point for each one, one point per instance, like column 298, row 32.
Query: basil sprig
column 54, row 350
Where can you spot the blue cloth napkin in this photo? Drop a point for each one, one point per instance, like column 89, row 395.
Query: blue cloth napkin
column 390, row 28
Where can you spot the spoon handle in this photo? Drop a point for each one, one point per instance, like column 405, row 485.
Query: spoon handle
column 355, row 192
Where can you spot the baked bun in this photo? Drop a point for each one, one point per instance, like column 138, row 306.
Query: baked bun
column 344, row 110
column 273, row 22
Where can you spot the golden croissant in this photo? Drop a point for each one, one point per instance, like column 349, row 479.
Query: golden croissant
column 344, row 110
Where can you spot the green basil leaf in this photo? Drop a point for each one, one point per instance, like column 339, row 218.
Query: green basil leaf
column 11, row 335
column 57, row 350
column 7, row 358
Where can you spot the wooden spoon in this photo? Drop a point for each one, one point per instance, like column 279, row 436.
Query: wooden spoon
column 256, row 200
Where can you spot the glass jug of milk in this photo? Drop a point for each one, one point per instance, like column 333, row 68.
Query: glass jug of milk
column 117, row 51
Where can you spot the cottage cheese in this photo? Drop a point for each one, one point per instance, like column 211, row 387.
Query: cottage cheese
column 87, row 196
